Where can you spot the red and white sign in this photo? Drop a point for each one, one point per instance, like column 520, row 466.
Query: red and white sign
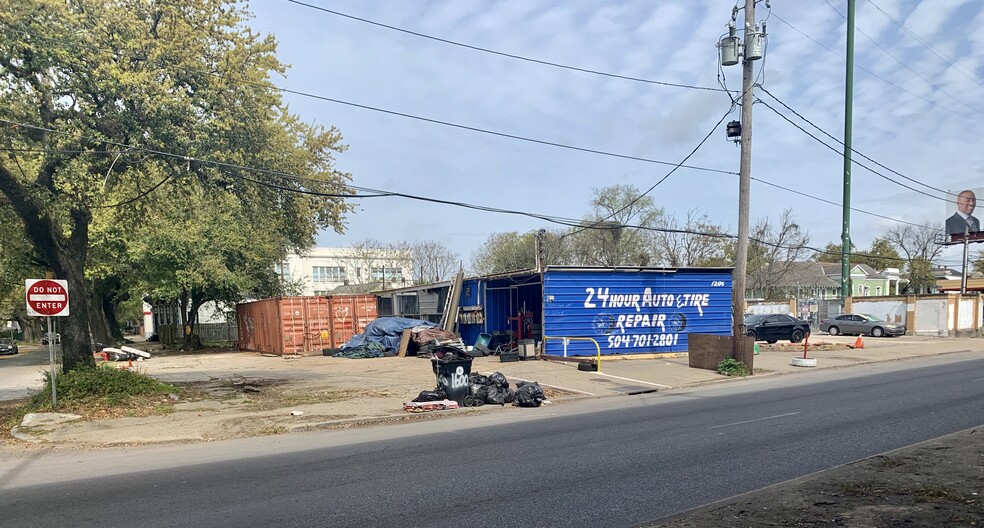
column 47, row 297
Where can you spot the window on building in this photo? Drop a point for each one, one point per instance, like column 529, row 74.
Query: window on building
column 321, row 293
column 388, row 274
column 283, row 270
column 327, row 274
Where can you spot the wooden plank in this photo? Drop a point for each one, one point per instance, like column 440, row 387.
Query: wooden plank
column 404, row 343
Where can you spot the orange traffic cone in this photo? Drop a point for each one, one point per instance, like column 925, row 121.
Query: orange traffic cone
column 859, row 343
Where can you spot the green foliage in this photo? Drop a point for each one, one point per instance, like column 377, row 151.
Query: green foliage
column 602, row 241
column 732, row 367
column 104, row 384
column 189, row 78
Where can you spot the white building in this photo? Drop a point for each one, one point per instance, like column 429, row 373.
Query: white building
column 323, row 269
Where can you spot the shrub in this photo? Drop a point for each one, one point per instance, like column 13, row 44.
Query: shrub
column 105, row 384
column 732, row 367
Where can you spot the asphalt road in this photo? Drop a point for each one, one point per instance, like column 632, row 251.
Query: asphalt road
column 612, row 462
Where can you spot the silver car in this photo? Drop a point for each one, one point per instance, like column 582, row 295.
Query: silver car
column 861, row 324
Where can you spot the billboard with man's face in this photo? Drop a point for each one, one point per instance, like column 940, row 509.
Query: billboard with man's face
column 960, row 212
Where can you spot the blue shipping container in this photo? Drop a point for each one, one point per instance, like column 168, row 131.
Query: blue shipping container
column 634, row 311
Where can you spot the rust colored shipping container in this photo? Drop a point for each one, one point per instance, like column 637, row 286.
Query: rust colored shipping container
column 302, row 325
column 349, row 316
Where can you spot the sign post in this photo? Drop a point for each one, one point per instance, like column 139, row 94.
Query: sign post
column 48, row 298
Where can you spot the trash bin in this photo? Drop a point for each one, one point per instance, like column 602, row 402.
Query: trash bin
column 452, row 377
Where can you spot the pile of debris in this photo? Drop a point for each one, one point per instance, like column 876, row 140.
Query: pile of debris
column 483, row 389
column 384, row 338
column 123, row 353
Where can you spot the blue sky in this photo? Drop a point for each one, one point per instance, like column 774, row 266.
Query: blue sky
column 918, row 96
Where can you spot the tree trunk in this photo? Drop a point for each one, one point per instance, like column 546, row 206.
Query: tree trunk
column 97, row 321
column 64, row 254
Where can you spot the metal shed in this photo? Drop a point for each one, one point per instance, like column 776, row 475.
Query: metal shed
column 626, row 310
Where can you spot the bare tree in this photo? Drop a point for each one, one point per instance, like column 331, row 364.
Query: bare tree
column 603, row 238
column 678, row 245
column 771, row 250
column 919, row 247
column 376, row 262
column 432, row 261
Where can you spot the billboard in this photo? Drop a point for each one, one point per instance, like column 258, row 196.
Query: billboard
column 960, row 212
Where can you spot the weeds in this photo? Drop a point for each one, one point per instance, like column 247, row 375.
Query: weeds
column 98, row 385
column 732, row 367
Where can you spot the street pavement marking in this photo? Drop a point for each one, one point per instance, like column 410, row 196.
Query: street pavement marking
column 755, row 420
column 634, row 380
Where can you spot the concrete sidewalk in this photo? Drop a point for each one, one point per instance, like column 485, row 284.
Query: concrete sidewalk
column 324, row 392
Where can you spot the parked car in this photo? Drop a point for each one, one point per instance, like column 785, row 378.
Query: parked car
column 7, row 346
column 55, row 338
column 861, row 324
column 773, row 327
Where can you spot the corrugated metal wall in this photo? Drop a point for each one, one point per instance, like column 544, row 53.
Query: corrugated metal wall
column 349, row 316
column 635, row 312
column 499, row 299
column 302, row 325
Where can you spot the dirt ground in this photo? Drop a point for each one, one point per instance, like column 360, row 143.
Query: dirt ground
column 933, row 484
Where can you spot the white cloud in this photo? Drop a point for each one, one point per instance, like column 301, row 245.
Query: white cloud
column 670, row 40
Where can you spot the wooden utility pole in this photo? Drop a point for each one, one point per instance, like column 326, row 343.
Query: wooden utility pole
column 744, row 187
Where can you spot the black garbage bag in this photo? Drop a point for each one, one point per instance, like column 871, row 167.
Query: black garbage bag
column 432, row 395
column 497, row 379
column 496, row 396
column 529, row 394
column 508, row 395
column 478, row 379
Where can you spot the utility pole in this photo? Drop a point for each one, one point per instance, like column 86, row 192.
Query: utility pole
column 848, row 125
column 752, row 39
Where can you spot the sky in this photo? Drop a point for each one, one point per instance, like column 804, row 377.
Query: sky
column 918, row 93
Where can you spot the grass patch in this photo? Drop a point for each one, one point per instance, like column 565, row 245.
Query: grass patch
column 95, row 393
column 732, row 367
column 99, row 385
column 273, row 430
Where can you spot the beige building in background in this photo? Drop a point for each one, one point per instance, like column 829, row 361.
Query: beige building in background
column 323, row 269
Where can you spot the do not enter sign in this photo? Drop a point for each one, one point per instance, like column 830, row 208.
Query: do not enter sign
column 47, row 297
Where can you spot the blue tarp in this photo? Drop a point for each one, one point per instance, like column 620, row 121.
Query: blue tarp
column 385, row 331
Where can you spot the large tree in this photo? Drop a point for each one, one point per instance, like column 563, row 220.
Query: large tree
column 880, row 255
column 919, row 246
column 683, row 244
column 772, row 247
column 432, row 261
column 94, row 94
column 603, row 239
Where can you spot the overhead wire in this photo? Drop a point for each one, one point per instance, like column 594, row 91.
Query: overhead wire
column 950, row 61
column 841, row 143
column 500, row 53
column 675, row 166
column 552, row 219
column 905, row 65
column 875, row 75
column 818, row 140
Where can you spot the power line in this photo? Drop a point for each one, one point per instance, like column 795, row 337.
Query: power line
column 661, row 180
column 951, row 62
column 818, row 140
column 875, row 75
column 906, row 66
column 553, row 219
column 841, row 143
column 517, row 137
column 503, row 54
